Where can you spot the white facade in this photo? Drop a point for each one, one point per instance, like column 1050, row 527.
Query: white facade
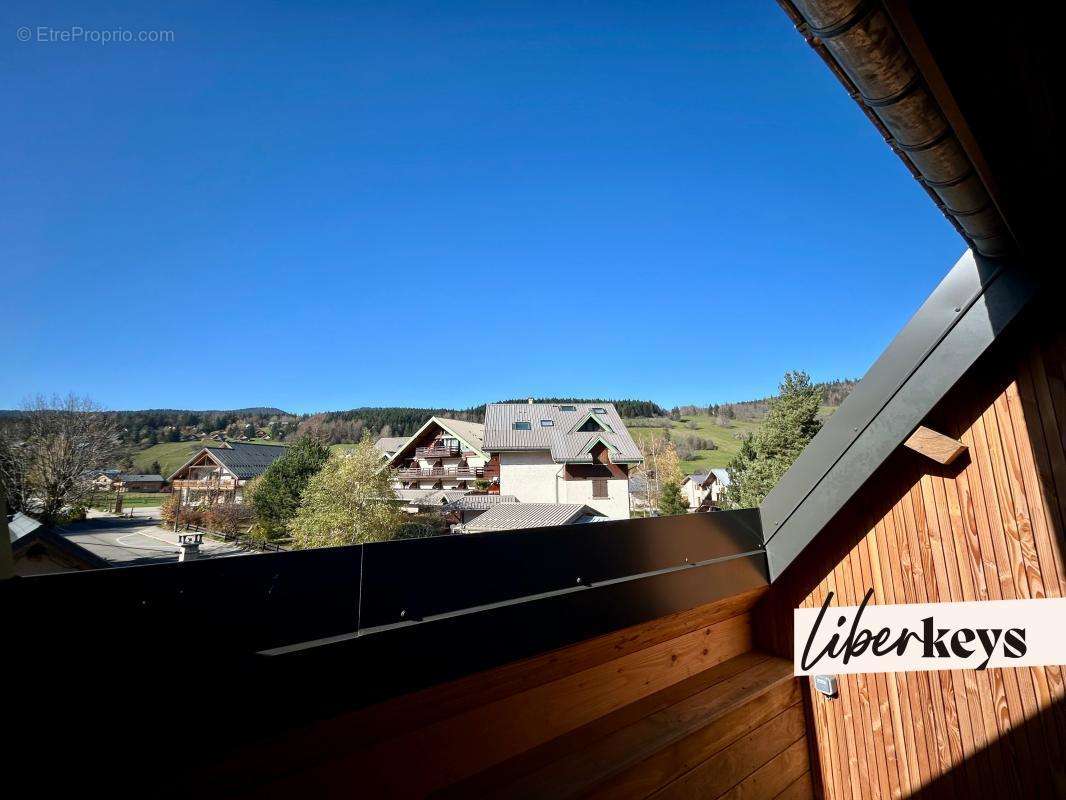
column 534, row 477
column 700, row 488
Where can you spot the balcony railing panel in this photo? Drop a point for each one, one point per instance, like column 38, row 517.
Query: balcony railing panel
column 440, row 472
column 438, row 451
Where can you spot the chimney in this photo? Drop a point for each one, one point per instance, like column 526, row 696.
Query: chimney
column 531, row 401
column 190, row 546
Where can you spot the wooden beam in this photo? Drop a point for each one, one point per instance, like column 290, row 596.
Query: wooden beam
column 942, row 449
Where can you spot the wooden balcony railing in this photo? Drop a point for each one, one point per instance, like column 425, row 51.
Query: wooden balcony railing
column 206, row 484
column 440, row 472
column 438, row 451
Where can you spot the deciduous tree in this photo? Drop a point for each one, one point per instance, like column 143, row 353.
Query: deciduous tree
column 49, row 451
column 349, row 501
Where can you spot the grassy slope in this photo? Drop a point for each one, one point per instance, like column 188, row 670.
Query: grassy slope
column 706, row 428
column 170, row 455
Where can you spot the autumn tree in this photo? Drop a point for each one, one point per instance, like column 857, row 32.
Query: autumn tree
column 49, row 451
column 661, row 465
column 349, row 501
column 792, row 421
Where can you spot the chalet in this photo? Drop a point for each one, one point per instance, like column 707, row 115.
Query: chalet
column 653, row 657
column 218, row 474
column 140, row 483
column 703, row 490
column 104, row 479
column 442, row 454
column 561, row 453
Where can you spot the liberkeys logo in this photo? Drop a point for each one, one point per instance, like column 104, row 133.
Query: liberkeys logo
column 928, row 636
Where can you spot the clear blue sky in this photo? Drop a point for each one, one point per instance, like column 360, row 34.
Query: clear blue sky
column 323, row 205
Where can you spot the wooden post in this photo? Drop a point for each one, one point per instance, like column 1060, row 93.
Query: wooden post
column 942, row 449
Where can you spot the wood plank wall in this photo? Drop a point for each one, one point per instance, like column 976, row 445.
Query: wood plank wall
column 990, row 526
column 675, row 706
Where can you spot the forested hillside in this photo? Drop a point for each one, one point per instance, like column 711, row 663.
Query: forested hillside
column 151, row 427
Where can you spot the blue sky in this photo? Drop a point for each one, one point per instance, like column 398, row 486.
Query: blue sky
column 327, row 205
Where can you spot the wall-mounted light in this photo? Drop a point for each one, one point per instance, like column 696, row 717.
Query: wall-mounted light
column 827, row 685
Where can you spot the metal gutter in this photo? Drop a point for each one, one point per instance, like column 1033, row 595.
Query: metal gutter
column 961, row 318
column 860, row 44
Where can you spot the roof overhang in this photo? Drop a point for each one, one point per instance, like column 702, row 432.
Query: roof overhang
column 443, row 425
column 968, row 310
column 202, row 451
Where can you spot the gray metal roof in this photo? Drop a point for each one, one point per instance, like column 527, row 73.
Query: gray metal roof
column 479, row 502
column 513, row 516
column 247, row 460
column 429, row 497
column 143, row 478
column 21, row 525
column 720, row 476
column 390, row 444
column 561, row 438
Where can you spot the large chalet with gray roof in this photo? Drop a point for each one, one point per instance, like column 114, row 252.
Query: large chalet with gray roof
column 444, row 454
column 561, row 453
column 219, row 473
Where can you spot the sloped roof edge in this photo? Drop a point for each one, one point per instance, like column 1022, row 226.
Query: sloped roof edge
column 963, row 316
column 447, row 425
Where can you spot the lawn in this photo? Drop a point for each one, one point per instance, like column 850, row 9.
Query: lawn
column 170, row 455
column 105, row 501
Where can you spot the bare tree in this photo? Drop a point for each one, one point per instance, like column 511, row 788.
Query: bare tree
column 48, row 453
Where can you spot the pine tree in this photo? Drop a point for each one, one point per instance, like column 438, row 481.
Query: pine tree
column 276, row 495
column 671, row 502
column 763, row 458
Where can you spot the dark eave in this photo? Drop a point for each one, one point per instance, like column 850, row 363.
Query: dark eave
column 968, row 310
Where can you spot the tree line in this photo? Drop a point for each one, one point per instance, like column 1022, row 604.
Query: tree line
column 139, row 429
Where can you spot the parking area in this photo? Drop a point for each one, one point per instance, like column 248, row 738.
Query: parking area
column 125, row 541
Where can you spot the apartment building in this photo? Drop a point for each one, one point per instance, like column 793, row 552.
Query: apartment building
column 561, row 453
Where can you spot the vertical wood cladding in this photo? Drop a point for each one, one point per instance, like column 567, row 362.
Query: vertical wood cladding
column 987, row 527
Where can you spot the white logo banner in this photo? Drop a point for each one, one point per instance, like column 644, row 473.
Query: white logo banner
column 929, row 636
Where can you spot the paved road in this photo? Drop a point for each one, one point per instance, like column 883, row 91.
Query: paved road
column 127, row 542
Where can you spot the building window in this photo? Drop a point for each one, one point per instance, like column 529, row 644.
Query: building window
column 599, row 487
column 522, row 426
column 568, row 408
column 547, row 423
column 592, row 424
column 599, row 410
